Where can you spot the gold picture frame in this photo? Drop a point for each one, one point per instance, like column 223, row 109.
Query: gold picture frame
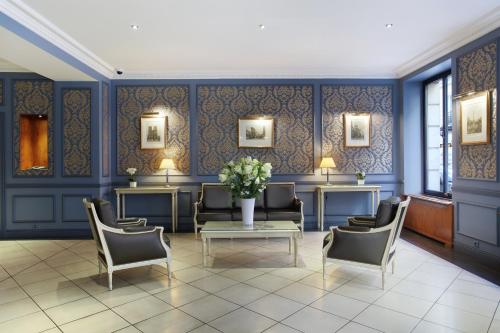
column 153, row 131
column 475, row 119
column 256, row 132
column 357, row 130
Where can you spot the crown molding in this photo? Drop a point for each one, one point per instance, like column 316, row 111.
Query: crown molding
column 480, row 27
column 28, row 17
column 245, row 75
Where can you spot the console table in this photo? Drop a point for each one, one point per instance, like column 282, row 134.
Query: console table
column 122, row 191
column 322, row 189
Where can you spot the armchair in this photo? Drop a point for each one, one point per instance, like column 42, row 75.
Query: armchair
column 119, row 248
column 365, row 246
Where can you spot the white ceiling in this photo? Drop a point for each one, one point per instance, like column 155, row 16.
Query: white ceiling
column 7, row 66
column 302, row 38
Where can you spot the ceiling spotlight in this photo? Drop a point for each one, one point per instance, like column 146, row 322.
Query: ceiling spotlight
column 261, row 26
column 134, row 27
column 389, row 25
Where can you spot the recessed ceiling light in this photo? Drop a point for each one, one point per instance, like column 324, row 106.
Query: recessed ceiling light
column 134, row 27
column 389, row 25
column 261, row 26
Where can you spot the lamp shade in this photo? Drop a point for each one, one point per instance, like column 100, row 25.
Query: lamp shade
column 167, row 163
column 327, row 162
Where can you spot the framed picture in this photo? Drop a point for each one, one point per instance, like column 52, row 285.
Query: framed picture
column 475, row 119
column 255, row 132
column 357, row 129
column 153, row 132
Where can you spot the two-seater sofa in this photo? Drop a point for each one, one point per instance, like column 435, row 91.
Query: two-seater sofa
column 278, row 202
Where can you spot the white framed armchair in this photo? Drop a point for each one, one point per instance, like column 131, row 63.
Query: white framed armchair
column 365, row 246
column 127, row 246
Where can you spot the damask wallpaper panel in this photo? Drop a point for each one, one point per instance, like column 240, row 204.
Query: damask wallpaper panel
column 377, row 100
column 132, row 102
column 106, row 121
column 1, row 92
column 477, row 71
column 76, row 109
column 220, row 106
column 33, row 97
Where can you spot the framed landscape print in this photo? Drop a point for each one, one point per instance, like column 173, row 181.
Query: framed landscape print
column 153, row 132
column 357, row 129
column 255, row 132
column 475, row 119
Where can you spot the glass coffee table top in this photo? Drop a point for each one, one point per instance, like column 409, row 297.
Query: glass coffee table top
column 257, row 226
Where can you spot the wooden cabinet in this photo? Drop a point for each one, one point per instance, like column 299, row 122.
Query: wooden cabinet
column 431, row 217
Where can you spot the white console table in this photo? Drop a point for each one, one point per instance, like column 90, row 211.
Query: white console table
column 322, row 189
column 122, row 191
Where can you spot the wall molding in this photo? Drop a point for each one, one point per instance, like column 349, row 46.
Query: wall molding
column 476, row 190
column 31, row 19
column 480, row 27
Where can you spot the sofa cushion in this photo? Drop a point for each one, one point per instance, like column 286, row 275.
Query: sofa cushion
column 105, row 212
column 280, row 196
column 215, row 215
column 258, row 215
column 283, row 215
column 217, row 197
column 259, row 202
column 386, row 211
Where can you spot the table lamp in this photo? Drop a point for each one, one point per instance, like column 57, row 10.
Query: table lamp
column 327, row 162
column 167, row 163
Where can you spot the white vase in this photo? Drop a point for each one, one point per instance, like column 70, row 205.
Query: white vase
column 361, row 182
column 133, row 184
column 247, row 207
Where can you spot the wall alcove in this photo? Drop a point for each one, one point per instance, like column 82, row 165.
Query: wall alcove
column 33, row 141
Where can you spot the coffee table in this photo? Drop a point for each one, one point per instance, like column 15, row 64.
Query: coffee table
column 260, row 229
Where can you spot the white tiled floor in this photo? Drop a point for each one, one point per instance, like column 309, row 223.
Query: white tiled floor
column 250, row 286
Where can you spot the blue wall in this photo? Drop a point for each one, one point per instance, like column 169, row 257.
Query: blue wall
column 476, row 202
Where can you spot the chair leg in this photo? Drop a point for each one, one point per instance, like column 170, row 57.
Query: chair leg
column 383, row 279
column 169, row 270
column 110, row 280
column 324, row 262
column 393, row 265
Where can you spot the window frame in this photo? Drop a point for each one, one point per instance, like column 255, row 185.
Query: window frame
column 446, row 193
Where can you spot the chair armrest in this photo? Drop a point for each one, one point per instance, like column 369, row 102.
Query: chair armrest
column 297, row 204
column 363, row 221
column 138, row 228
column 132, row 221
column 354, row 228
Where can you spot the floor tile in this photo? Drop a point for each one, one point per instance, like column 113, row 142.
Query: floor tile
column 214, row 283
column 58, row 297
column 16, row 309
column 42, row 287
column 191, row 274
column 280, row 328
column 311, row 320
column 181, row 295
column 208, row 308
column 102, row 322
column 360, row 292
column 339, row 305
column 469, row 303
column 494, row 327
column 418, row 290
column 476, row 289
column 241, row 294
column 428, row 327
column 269, row 282
column 157, row 284
column 128, row 329
column 275, row 307
column 403, row 303
column 204, row 329
column 292, row 273
column 330, row 283
column 174, row 321
column 242, row 321
column 71, row 311
column 301, row 293
column 353, row 327
column 241, row 274
column 35, row 322
column 142, row 309
column 386, row 320
column 11, row 294
column 120, row 296
column 458, row 319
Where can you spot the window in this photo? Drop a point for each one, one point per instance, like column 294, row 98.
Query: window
column 438, row 122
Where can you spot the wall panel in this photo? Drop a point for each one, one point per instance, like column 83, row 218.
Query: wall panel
column 106, row 123
column 291, row 106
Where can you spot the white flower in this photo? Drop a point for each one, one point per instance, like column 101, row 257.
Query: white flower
column 248, row 169
column 222, row 178
column 131, row 171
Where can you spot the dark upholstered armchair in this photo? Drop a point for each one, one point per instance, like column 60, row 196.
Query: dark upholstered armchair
column 277, row 202
column 368, row 247
column 386, row 212
column 126, row 246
